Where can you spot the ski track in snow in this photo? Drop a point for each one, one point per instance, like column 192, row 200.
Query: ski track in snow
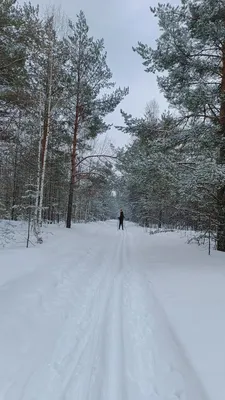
column 90, row 328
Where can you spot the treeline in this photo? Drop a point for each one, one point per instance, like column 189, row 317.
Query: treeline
column 174, row 171
column 56, row 89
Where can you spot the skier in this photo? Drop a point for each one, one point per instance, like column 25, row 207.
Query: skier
column 121, row 218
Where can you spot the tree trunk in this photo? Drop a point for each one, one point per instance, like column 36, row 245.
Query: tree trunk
column 221, row 190
column 15, row 184
column 15, row 173
column 160, row 219
column 73, row 169
column 50, row 191
column 47, row 118
column 37, row 199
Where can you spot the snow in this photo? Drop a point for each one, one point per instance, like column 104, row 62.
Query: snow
column 13, row 234
column 100, row 314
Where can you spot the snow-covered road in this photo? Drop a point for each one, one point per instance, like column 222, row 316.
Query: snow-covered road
column 80, row 320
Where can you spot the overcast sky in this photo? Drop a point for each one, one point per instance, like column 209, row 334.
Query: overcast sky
column 122, row 23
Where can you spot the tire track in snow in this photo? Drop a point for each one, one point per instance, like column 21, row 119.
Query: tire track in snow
column 157, row 367
column 102, row 361
column 77, row 351
column 108, row 381
column 194, row 388
column 105, row 361
column 127, row 351
column 32, row 374
column 115, row 343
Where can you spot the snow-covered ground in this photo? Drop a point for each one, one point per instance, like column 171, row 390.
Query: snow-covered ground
column 100, row 314
column 13, row 234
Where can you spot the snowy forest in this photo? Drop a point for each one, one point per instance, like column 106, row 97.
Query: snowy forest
column 56, row 91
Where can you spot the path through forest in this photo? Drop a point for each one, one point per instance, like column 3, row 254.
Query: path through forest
column 80, row 319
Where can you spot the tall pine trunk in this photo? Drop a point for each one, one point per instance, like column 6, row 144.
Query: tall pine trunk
column 47, row 120
column 160, row 219
column 15, row 172
column 73, row 168
column 221, row 191
column 37, row 197
column 15, row 183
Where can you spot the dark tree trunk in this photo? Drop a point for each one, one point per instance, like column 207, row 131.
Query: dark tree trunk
column 73, row 170
column 15, row 176
column 160, row 219
column 221, row 190
column 15, row 187
column 70, row 206
column 221, row 220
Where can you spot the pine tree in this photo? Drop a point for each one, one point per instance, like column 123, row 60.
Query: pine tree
column 54, row 99
column 191, row 49
column 90, row 76
column 17, row 35
column 149, row 168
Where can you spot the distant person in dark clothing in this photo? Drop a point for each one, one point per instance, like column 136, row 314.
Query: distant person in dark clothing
column 121, row 219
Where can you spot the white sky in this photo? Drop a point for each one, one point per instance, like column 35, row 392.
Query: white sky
column 122, row 23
